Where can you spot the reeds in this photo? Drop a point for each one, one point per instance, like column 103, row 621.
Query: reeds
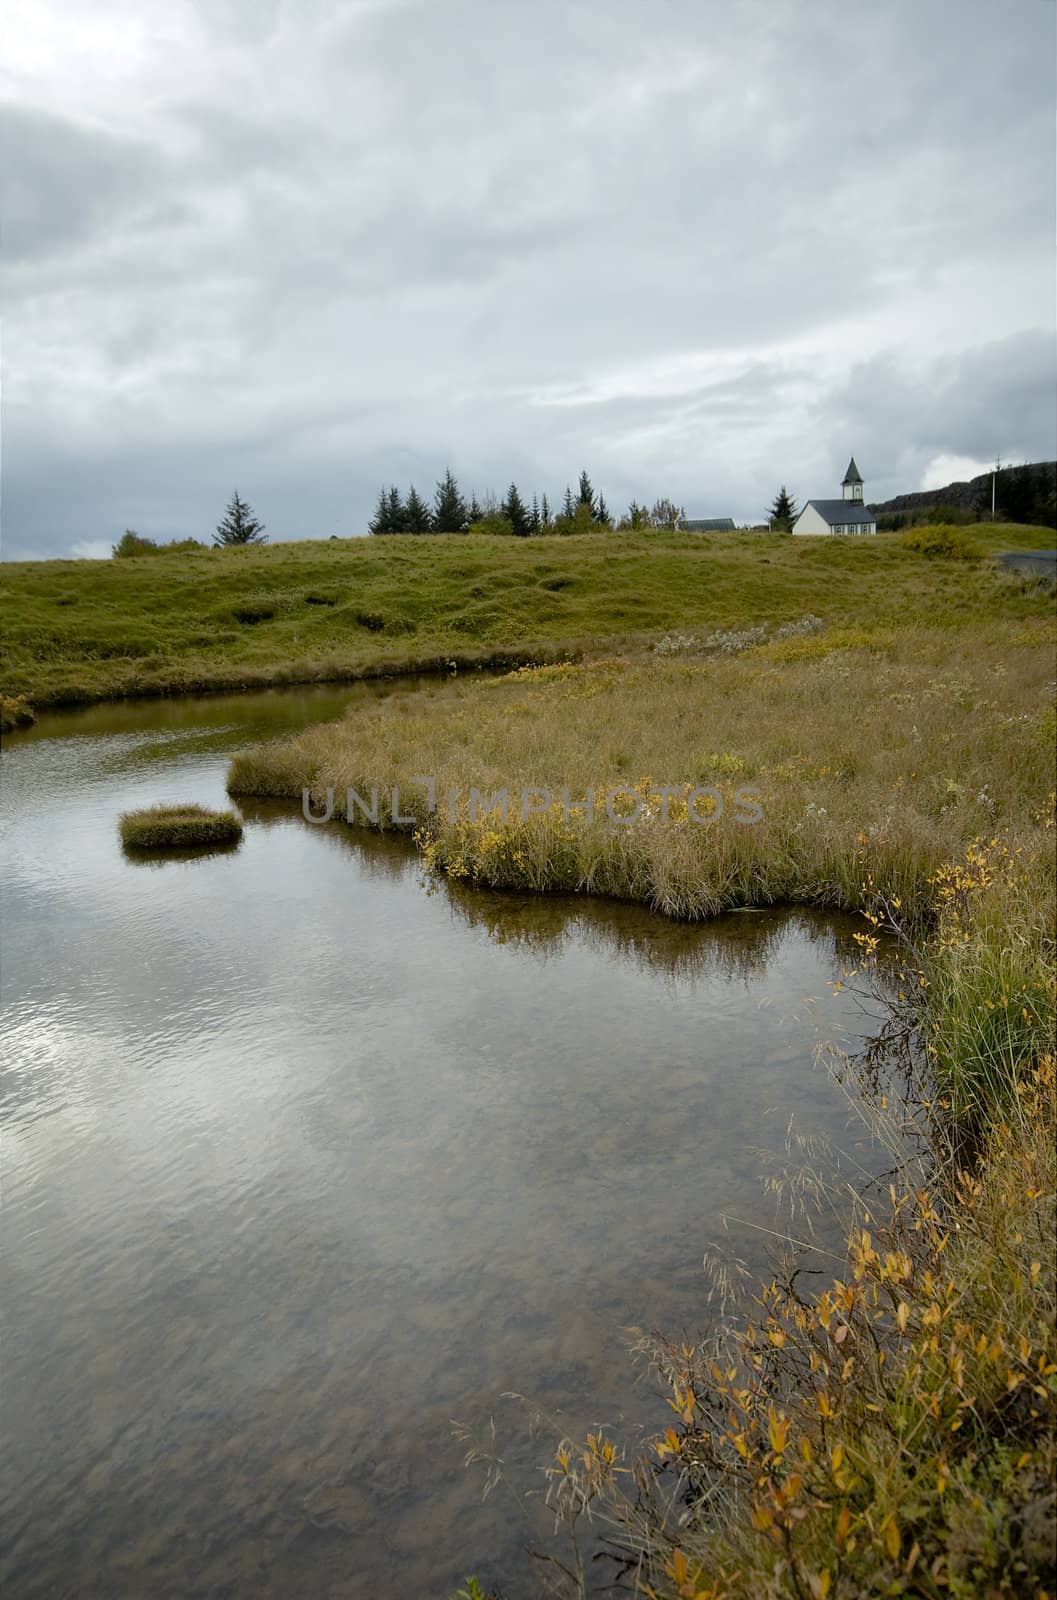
column 178, row 827
column 881, row 758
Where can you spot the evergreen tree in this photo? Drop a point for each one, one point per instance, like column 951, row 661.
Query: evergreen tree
column 397, row 513
column 534, row 517
column 416, row 513
column 240, row 526
column 635, row 517
column 513, row 509
column 475, row 512
column 545, row 513
column 586, row 496
column 568, row 504
column 783, row 513
column 449, row 507
column 602, row 510
column 380, row 522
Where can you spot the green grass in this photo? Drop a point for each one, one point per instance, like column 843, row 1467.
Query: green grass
column 312, row 611
column 178, row 828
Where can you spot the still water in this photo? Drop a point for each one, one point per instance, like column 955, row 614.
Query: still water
column 303, row 1159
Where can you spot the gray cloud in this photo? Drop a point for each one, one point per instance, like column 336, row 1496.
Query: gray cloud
column 700, row 248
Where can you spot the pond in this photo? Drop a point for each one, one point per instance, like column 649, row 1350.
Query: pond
column 304, row 1157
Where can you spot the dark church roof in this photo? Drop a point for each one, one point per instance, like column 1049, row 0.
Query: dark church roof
column 853, row 475
column 709, row 524
column 842, row 512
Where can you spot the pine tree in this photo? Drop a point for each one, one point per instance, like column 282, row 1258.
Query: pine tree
column 240, row 526
column 475, row 512
column 513, row 509
column 602, row 510
column 586, row 496
column 545, row 513
column 449, row 507
column 534, row 517
column 380, row 522
column 783, row 513
column 568, row 504
column 416, row 513
column 397, row 513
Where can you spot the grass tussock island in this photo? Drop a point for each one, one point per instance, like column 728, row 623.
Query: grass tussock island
column 14, row 713
column 193, row 620
column 892, row 1430
column 178, row 828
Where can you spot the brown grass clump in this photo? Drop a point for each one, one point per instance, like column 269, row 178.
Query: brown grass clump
column 15, row 712
column 178, row 827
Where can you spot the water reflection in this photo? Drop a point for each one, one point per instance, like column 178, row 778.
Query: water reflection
column 302, row 1160
column 177, row 855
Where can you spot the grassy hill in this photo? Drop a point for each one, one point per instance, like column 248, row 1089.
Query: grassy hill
column 222, row 619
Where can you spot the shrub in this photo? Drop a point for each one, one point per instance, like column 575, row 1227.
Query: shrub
column 134, row 544
column 495, row 523
column 169, row 827
column 582, row 520
column 941, row 542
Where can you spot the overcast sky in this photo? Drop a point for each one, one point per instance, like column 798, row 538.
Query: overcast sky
column 305, row 247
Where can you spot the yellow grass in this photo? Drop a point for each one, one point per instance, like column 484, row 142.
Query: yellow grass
column 878, row 752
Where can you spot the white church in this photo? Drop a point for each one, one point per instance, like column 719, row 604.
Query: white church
column 847, row 515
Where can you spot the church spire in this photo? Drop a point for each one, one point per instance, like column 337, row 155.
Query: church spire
column 852, row 485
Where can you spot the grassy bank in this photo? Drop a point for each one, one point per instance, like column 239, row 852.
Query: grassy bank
column 893, row 1432
column 227, row 619
column 870, row 752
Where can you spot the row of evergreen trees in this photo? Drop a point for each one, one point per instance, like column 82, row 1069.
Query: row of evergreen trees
column 451, row 512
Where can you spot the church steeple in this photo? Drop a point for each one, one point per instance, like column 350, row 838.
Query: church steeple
column 852, row 485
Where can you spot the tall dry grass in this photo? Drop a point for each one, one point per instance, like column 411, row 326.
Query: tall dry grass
column 880, row 754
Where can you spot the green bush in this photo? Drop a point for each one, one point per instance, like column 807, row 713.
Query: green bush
column 941, row 542
column 950, row 517
column 134, row 544
column 495, row 523
column 582, row 521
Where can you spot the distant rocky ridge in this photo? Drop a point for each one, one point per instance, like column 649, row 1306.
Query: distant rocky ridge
column 1023, row 494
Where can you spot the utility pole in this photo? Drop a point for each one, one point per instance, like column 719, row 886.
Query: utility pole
column 994, row 481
